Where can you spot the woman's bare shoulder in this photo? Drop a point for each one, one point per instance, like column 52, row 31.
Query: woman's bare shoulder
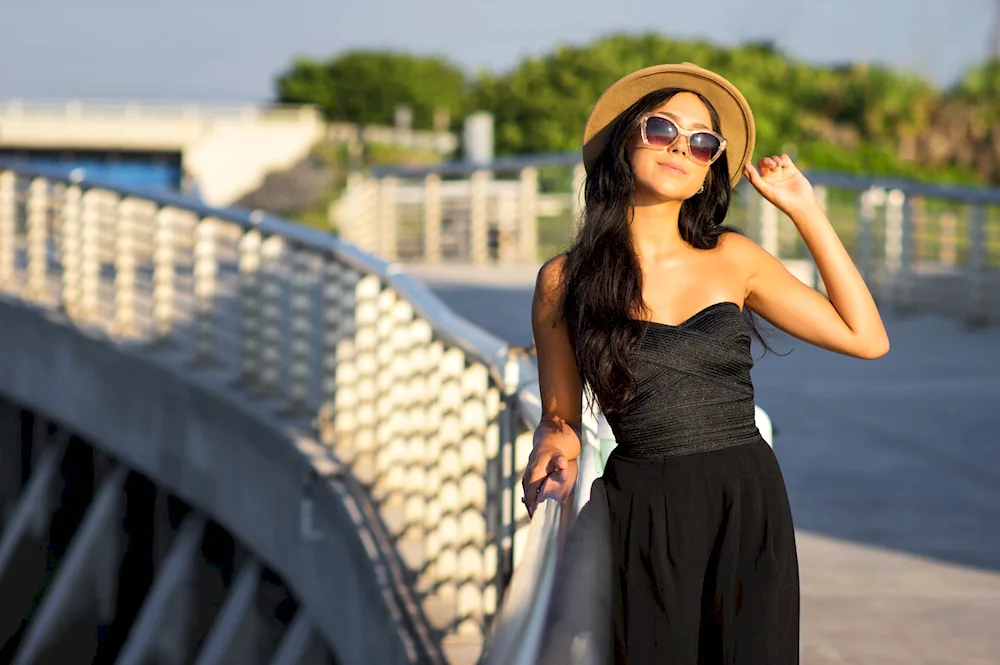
column 737, row 246
column 741, row 252
column 549, row 284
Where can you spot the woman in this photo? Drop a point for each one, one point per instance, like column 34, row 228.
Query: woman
column 651, row 308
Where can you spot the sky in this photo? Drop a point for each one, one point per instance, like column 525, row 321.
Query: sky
column 232, row 50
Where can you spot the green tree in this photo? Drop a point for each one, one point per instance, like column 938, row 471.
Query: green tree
column 980, row 87
column 981, row 82
column 848, row 117
column 367, row 86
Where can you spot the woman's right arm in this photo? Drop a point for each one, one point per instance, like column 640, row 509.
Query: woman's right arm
column 557, row 438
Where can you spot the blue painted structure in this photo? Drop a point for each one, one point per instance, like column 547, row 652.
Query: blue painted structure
column 141, row 170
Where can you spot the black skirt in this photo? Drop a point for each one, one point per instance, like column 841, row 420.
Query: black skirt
column 705, row 564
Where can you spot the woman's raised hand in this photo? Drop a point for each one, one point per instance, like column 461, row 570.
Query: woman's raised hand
column 781, row 182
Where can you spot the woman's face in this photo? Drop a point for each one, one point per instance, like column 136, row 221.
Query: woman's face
column 669, row 174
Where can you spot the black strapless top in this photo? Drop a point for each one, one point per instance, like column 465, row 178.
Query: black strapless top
column 694, row 392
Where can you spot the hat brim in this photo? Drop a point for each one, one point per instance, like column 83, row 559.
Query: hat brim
column 735, row 115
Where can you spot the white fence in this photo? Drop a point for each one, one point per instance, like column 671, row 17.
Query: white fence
column 921, row 247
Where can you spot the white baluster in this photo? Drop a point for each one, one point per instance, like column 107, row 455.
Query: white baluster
column 8, row 230
column 38, row 235
column 206, row 269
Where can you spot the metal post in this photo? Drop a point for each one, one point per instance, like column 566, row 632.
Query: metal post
column 904, row 297
column 338, row 318
column 478, row 218
column 527, row 234
column 206, row 269
column 300, row 360
column 978, row 313
column 90, row 254
column 769, row 227
column 432, row 218
column 70, row 250
column 272, row 252
column 8, row 229
column 125, row 232
column 822, row 198
column 505, row 514
column 249, row 267
column 37, row 227
column 163, row 275
column 387, row 242
column 895, row 201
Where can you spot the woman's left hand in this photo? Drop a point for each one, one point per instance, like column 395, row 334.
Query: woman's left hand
column 779, row 181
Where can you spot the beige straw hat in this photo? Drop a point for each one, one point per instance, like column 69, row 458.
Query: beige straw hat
column 732, row 107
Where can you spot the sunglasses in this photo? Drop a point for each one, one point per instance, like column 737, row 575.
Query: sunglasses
column 660, row 132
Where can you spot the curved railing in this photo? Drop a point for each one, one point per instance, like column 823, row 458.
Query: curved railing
column 520, row 627
column 351, row 355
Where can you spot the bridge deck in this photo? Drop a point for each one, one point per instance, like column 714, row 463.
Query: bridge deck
column 891, row 466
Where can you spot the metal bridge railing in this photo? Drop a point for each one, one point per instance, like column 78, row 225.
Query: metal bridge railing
column 921, row 247
column 422, row 406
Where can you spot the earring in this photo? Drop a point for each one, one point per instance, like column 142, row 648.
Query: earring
column 702, row 189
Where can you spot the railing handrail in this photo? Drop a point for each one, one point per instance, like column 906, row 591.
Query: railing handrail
column 970, row 193
column 514, row 163
column 455, row 330
column 521, row 622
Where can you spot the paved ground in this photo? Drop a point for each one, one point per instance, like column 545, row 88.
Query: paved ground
column 893, row 468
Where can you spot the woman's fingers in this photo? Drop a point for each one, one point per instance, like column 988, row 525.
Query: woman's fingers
column 536, row 471
column 773, row 163
column 557, row 463
column 532, row 493
column 769, row 165
column 558, row 468
column 535, row 485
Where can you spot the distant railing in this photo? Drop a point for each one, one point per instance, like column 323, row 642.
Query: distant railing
column 421, row 140
column 921, row 247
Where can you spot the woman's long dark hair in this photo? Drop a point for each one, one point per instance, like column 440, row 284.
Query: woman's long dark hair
column 602, row 277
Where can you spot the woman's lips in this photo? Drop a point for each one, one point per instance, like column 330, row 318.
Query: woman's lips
column 673, row 168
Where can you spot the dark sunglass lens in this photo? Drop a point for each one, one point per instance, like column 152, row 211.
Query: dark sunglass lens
column 704, row 147
column 660, row 132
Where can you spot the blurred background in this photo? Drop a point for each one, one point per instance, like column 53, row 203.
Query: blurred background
column 332, row 216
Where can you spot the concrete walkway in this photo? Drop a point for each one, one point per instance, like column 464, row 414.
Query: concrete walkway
column 893, row 469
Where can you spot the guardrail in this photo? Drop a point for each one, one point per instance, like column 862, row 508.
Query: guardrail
column 922, row 247
column 419, row 403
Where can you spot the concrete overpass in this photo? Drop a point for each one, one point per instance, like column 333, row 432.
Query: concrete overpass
column 226, row 149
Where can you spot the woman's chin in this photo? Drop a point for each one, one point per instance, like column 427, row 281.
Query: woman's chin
column 661, row 193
